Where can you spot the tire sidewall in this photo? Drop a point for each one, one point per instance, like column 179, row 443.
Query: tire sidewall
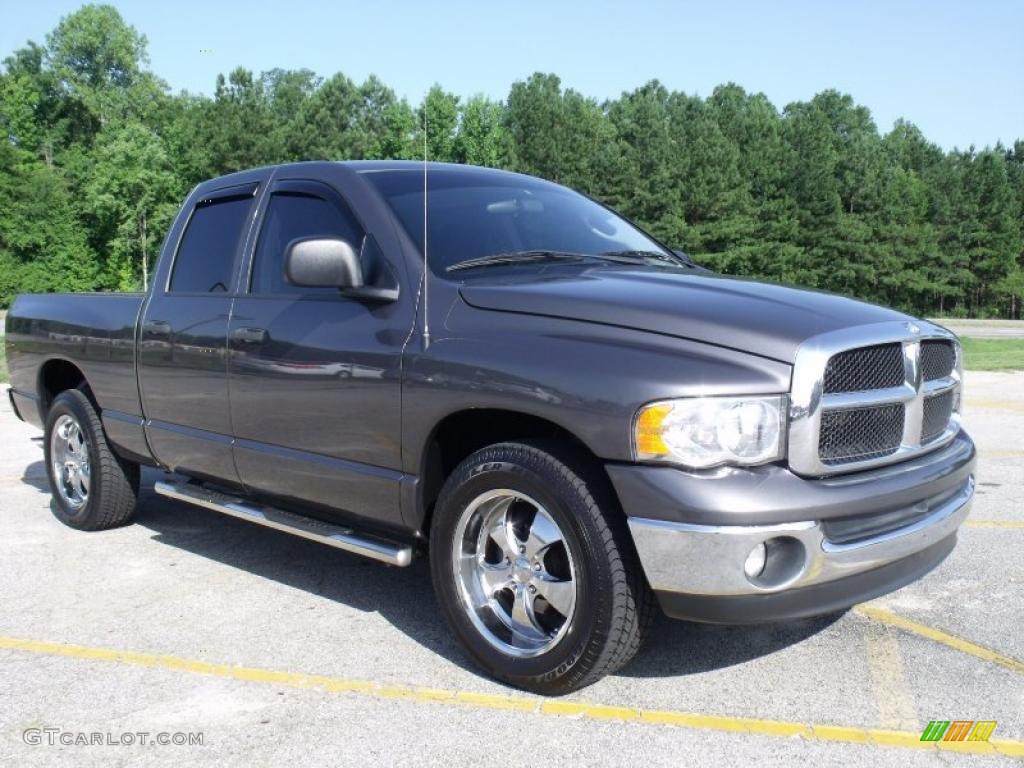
column 71, row 404
column 567, row 507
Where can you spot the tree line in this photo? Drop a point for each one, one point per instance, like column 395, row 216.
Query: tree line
column 99, row 154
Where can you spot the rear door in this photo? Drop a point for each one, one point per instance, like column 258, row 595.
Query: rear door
column 183, row 336
column 315, row 375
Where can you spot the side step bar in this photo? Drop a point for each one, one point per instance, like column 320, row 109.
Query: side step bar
column 336, row 536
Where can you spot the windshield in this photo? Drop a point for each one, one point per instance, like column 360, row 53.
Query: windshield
column 476, row 214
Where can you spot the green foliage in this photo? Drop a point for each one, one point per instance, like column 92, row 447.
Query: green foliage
column 440, row 114
column 131, row 195
column 94, row 50
column 42, row 247
column 481, row 138
column 98, row 154
column 557, row 134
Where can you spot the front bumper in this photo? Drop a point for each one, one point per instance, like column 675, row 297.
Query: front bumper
column 831, row 542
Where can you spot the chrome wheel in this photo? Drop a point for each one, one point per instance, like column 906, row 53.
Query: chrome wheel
column 69, row 455
column 515, row 573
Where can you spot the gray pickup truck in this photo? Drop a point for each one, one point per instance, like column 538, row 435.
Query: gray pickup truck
column 575, row 422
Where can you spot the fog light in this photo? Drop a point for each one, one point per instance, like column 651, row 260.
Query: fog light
column 776, row 563
column 754, row 564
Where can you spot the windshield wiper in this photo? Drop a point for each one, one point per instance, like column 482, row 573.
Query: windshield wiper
column 516, row 257
column 633, row 257
column 520, row 257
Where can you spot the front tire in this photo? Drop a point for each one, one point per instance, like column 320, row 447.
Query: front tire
column 94, row 488
column 534, row 568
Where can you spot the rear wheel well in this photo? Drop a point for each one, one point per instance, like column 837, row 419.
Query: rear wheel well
column 465, row 432
column 58, row 376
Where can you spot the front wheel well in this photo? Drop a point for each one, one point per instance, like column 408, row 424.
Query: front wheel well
column 463, row 433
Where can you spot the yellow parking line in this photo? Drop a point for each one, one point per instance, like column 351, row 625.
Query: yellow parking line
column 532, row 704
column 994, row 524
column 893, row 700
column 957, row 643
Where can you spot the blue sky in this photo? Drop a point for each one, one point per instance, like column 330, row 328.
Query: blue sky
column 956, row 69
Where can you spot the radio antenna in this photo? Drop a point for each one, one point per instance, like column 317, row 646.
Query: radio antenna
column 426, row 259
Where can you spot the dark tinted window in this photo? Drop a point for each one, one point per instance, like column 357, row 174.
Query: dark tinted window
column 292, row 215
column 206, row 258
column 481, row 213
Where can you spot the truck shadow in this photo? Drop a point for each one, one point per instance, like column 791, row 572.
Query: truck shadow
column 404, row 596
column 679, row 648
column 35, row 476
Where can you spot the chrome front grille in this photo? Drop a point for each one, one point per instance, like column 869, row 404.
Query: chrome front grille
column 938, row 359
column 872, row 395
column 866, row 368
column 855, row 434
column 937, row 411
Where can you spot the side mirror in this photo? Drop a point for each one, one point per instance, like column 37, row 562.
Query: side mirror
column 684, row 256
column 322, row 262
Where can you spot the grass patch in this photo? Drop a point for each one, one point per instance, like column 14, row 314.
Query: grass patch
column 993, row 354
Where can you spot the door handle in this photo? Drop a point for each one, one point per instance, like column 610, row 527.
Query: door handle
column 157, row 327
column 246, row 335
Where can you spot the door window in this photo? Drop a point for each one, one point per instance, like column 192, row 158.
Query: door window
column 205, row 262
column 292, row 215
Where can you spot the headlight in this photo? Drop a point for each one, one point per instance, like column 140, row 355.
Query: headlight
column 704, row 432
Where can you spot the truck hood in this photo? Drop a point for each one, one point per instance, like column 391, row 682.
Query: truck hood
column 762, row 318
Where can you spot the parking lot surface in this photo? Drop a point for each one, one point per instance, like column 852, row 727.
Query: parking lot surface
column 276, row 650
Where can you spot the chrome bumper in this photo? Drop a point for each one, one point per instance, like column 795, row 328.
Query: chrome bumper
column 709, row 560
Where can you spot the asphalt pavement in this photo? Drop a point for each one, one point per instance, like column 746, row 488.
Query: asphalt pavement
column 275, row 650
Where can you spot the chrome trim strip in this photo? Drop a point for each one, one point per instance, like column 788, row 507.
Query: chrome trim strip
column 913, row 411
column 868, row 398
column 308, row 528
column 669, row 550
column 807, row 400
column 939, row 386
column 126, row 418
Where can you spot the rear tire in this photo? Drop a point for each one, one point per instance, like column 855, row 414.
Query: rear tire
column 94, row 488
column 534, row 568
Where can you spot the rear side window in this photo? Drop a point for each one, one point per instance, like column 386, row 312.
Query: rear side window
column 291, row 215
column 206, row 258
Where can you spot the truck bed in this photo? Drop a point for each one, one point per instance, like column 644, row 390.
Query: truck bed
column 95, row 331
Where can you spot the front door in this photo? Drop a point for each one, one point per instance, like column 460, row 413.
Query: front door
column 314, row 375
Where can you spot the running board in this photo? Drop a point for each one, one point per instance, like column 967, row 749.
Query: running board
column 336, row 536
